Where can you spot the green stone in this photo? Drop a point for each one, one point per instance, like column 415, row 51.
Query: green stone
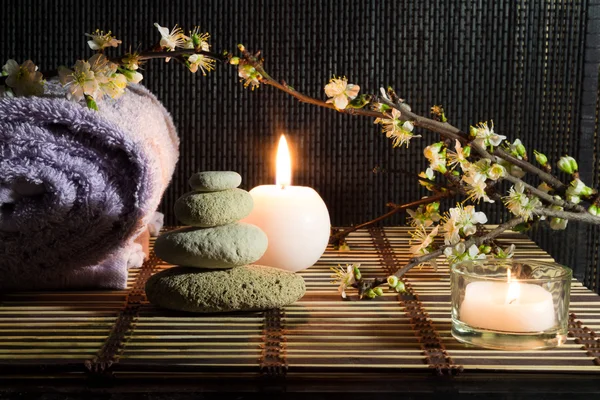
column 208, row 209
column 247, row 288
column 214, row 181
column 224, row 246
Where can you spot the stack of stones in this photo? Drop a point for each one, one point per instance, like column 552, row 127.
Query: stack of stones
column 215, row 255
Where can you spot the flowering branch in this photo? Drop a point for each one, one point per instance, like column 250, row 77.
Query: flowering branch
column 480, row 160
column 338, row 237
column 101, row 75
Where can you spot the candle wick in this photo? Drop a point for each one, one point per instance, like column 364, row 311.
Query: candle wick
column 512, row 301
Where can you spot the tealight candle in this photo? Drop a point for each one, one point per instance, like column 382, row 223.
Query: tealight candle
column 508, row 306
column 294, row 218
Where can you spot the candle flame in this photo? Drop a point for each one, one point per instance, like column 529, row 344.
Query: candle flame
column 283, row 176
column 514, row 290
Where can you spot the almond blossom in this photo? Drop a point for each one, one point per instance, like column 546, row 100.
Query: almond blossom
column 395, row 128
column 100, row 40
column 170, row 40
column 485, row 135
column 80, row 81
column 344, row 277
column 461, row 220
column 458, row 253
column 459, row 157
column 340, row 92
column 24, row 79
column 519, row 203
column 436, row 155
column 421, row 240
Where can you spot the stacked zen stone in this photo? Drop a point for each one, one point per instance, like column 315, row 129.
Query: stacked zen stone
column 215, row 254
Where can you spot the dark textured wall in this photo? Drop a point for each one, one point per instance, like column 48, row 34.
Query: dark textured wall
column 531, row 66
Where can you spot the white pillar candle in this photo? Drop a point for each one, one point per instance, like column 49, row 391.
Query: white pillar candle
column 507, row 306
column 294, row 218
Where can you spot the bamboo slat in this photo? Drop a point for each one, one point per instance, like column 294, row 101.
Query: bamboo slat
column 80, row 335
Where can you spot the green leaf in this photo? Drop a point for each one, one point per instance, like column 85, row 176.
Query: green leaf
column 90, row 102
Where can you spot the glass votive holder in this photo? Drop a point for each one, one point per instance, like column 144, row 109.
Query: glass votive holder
column 510, row 304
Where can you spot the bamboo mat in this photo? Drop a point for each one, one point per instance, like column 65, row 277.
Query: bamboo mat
column 116, row 335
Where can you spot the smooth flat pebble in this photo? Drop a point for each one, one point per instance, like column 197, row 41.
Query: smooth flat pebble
column 223, row 246
column 247, row 288
column 208, row 209
column 214, row 181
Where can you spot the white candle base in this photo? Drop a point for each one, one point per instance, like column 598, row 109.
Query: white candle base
column 296, row 222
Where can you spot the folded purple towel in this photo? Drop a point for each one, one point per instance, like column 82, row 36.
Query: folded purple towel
column 77, row 186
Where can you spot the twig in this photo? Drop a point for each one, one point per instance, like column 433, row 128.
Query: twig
column 413, row 262
column 527, row 166
column 571, row 216
column 268, row 80
column 427, row 200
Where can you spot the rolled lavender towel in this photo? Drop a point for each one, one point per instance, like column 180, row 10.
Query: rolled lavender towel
column 77, row 186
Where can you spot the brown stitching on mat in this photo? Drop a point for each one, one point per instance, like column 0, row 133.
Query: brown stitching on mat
column 125, row 323
column 586, row 337
column 433, row 349
column 273, row 363
column 384, row 249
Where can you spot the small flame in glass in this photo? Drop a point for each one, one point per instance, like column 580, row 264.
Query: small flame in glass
column 283, row 175
column 514, row 290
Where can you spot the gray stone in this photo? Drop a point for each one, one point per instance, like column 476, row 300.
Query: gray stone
column 247, row 288
column 224, row 246
column 214, row 181
column 207, row 209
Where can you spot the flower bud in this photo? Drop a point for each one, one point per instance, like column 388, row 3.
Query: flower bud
column 568, row 164
column 485, row 249
column 131, row 76
column 400, row 287
column 594, row 209
column 378, row 291
column 356, row 271
column 540, row 158
column 234, row 60
column 587, row 191
column 392, row 281
column 558, row 224
column 518, row 149
column 473, row 131
column 370, row 294
column 467, row 151
column 521, row 149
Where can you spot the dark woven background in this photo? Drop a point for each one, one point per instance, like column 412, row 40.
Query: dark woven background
column 531, row 66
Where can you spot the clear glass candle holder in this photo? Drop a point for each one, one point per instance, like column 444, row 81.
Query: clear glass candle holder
column 510, row 304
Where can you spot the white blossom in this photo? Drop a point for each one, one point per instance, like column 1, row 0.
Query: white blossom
column 519, row 203
column 395, row 128
column 458, row 253
column 249, row 75
column 340, row 92
column 507, row 252
column 80, row 81
column 461, row 220
column 170, row 40
column 436, row 155
column 344, row 277
column 100, row 40
column 485, row 135
column 202, row 62
column 425, row 215
column 24, row 79
column 476, row 187
column 421, row 240
column 459, row 157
